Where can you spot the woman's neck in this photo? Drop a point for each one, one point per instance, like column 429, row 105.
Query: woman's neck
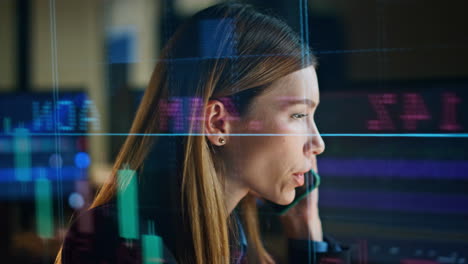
column 234, row 192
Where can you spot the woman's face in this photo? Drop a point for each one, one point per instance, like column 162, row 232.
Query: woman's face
column 271, row 165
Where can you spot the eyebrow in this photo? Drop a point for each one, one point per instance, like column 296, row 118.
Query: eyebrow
column 288, row 101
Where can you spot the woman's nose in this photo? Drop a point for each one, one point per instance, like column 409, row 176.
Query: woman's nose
column 315, row 144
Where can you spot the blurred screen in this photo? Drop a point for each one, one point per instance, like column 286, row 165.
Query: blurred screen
column 393, row 82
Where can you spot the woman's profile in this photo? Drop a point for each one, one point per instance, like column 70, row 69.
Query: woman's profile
column 226, row 118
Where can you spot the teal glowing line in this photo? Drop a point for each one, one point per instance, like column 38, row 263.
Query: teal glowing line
column 127, row 202
column 22, row 157
column 423, row 135
column 44, row 219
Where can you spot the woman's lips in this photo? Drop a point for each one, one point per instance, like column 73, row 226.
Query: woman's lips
column 299, row 178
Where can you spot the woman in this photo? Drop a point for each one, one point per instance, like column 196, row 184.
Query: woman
column 236, row 91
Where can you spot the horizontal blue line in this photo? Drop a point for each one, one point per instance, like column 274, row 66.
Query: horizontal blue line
column 316, row 52
column 67, row 173
column 25, row 190
column 393, row 169
column 459, row 135
column 423, row 135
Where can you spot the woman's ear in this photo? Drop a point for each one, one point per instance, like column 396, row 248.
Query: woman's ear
column 218, row 122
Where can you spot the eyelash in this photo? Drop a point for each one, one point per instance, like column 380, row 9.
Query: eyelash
column 302, row 115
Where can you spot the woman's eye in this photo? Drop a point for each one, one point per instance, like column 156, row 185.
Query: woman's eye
column 298, row 116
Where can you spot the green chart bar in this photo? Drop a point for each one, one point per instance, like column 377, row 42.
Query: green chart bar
column 127, row 202
column 152, row 246
column 22, row 149
column 152, row 249
column 44, row 219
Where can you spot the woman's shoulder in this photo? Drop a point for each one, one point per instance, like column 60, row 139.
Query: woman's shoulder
column 94, row 237
column 98, row 222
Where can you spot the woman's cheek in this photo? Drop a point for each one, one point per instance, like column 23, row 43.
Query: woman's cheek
column 284, row 125
column 291, row 126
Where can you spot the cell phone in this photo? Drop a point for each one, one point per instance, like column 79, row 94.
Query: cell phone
column 311, row 181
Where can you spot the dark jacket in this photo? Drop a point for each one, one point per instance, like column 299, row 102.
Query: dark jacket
column 94, row 238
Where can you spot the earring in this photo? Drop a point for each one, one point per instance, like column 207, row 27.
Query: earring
column 221, row 141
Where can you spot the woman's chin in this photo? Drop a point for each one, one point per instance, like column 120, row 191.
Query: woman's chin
column 286, row 198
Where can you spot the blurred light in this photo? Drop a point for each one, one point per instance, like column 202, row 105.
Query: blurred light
column 82, row 160
column 75, row 200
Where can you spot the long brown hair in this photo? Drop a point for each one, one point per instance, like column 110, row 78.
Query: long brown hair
column 229, row 52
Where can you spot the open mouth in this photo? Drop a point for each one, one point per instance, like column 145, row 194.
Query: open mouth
column 299, row 178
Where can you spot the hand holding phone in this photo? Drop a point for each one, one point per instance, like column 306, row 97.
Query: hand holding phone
column 301, row 219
